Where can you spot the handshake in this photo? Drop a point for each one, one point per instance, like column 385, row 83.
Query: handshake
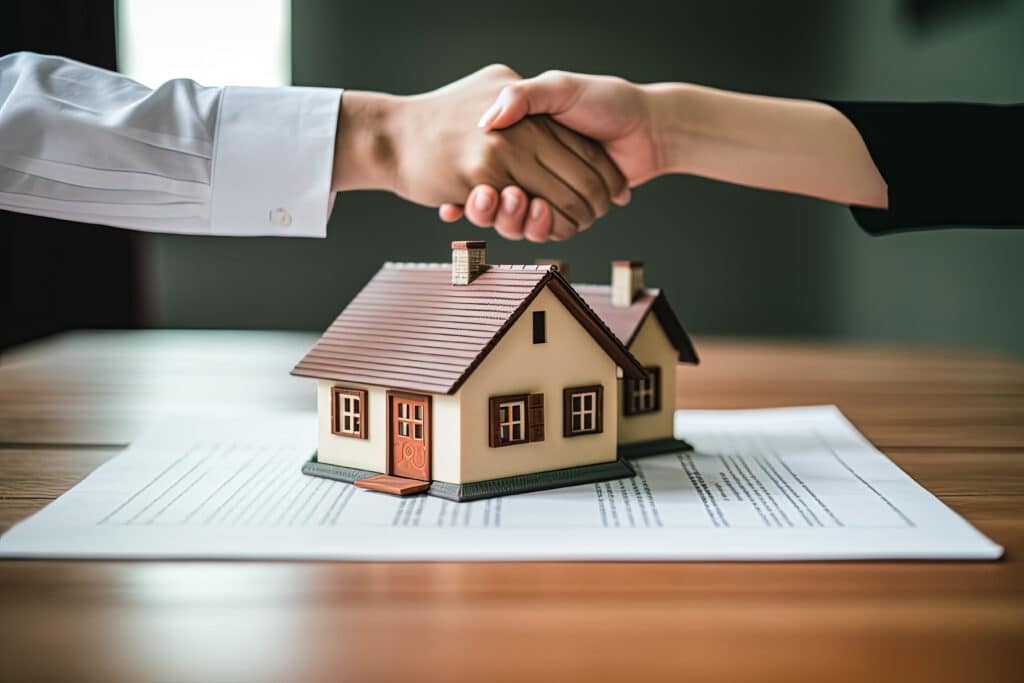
column 545, row 157
column 541, row 158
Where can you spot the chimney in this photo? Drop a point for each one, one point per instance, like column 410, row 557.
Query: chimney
column 560, row 265
column 467, row 261
column 627, row 282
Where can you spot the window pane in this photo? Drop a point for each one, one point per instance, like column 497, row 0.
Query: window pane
column 403, row 410
column 504, row 432
column 575, row 402
column 575, row 422
column 503, row 413
column 418, row 412
column 417, row 431
column 403, row 429
column 149, row 45
column 517, row 433
column 355, row 424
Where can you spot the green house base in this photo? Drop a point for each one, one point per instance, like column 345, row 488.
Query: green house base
column 492, row 488
column 641, row 449
column 348, row 475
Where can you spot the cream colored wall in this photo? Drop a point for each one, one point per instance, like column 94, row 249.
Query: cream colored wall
column 446, row 448
column 371, row 453
column 569, row 358
column 652, row 347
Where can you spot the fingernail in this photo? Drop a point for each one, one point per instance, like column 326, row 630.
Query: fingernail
column 483, row 201
column 622, row 199
column 489, row 115
column 536, row 209
column 511, row 201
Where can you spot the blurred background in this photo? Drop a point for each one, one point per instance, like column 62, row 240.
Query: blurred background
column 734, row 261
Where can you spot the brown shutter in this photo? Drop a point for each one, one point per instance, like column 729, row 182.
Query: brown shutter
column 655, row 373
column 494, row 430
column 535, row 416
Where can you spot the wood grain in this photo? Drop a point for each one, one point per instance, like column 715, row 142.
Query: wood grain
column 953, row 421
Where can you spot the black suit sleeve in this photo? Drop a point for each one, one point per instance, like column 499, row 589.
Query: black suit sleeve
column 946, row 164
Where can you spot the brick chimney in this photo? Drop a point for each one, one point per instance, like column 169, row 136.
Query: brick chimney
column 467, row 261
column 560, row 265
column 627, row 282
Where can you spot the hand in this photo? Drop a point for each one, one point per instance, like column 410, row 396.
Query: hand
column 612, row 111
column 773, row 143
column 427, row 149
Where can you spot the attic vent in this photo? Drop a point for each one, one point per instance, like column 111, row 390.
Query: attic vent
column 467, row 261
column 627, row 282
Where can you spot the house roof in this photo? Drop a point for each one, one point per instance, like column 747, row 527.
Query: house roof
column 625, row 322
column 410, row 328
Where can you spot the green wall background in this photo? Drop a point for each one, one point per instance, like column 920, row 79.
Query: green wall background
column 734, row 260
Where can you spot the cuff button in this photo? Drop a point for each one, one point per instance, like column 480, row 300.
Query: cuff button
column 280, row 217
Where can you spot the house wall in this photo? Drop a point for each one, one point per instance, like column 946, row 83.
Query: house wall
column 371, row 453
column 569, row 358
column 651, row 347
column 447, row 446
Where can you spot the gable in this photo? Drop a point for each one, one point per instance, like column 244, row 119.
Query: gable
column 626, row 321
column 517, row 363
column 651, row 345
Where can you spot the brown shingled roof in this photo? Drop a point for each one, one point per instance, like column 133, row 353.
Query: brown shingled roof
column 625, row 322
column 410, row 328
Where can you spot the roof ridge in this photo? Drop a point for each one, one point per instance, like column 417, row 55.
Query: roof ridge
column 399, row 265
column 605, row 285
column 411, row 265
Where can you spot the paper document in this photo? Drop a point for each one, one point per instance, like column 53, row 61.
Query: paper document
column 781, row 484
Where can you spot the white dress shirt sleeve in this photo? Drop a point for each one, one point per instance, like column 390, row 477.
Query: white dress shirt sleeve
column 90, row 145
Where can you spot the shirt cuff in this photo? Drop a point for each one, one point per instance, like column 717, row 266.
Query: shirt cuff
column 272, row 161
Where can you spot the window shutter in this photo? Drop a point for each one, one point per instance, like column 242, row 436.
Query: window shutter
column 494, row 433
column 535, row 416
column 655, row 373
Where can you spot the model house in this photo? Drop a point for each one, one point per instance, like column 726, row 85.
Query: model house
column 470, row 380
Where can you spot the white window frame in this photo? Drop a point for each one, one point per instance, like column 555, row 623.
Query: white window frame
column 583, row 412
column 348, row 412
column 507, row 421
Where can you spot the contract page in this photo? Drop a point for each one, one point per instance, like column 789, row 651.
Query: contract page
column 779, row 484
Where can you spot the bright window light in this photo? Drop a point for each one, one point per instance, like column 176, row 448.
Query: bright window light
column 214, row 42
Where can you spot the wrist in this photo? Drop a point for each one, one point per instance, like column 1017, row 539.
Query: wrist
column 366, row 143
column 673, row 110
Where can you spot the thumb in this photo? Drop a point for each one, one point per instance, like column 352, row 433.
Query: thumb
column 550, row 93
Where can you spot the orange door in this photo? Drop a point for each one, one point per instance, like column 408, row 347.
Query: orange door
column 410, row 436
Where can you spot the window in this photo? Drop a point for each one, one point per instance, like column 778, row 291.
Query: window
column 150, row 34
column 583, row 410
column 516, row 419
column 410, row 422
column 348, row 412
column 643, row 395
column 540, row 333
column 512, row 421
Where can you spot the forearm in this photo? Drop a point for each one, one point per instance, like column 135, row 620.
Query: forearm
column 92, row 146
column 773, row 143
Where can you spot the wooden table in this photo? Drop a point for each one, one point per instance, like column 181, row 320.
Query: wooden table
column 954, row 421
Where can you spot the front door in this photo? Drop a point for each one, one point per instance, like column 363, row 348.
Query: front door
column 410, row 436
